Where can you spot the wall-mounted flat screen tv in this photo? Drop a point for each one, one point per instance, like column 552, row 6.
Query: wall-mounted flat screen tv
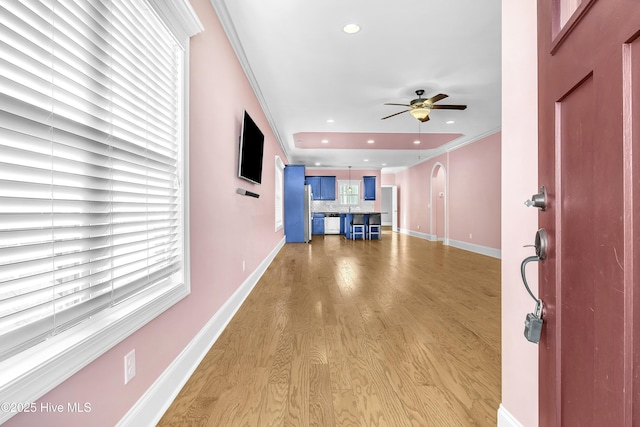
column 251, row 150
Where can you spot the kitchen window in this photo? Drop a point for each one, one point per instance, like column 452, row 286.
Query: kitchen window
column 93, row 195
column 349, row 191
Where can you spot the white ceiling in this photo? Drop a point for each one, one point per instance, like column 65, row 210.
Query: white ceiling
column 306, row 70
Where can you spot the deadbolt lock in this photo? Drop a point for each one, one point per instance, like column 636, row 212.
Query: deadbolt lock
column 538, row 200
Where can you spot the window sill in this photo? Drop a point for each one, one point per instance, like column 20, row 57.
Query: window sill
column 27, row 376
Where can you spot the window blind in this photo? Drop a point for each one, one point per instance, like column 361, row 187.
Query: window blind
column 90, row 162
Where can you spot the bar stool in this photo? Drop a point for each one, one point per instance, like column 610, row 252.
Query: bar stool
column 358, row 226
column 375, row 225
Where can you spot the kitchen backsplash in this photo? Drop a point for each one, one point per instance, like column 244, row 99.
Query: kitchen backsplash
column 335, row 206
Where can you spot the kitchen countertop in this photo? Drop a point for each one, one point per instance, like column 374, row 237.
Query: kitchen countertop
column 347, row 213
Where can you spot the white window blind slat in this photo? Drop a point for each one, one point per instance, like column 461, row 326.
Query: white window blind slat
column 23, row 285
column 29, row 120
column 71, row 159
column 90, row 160
column 129, row 26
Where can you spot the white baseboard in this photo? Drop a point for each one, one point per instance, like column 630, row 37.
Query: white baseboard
column 152, row 405
column 483, row 250
column 417, row 234
column 505, row 419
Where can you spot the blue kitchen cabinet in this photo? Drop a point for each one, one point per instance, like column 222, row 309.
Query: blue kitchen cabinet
column 317, row 226
column 369, row 187
column 328, row 187
column 294, row 217
column 314, row 182
column 322, row 187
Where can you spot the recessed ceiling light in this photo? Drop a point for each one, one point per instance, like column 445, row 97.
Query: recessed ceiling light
column 371, row 141
column 317, row 163
column 325, row 141
column 384, row 164
column 417, row 141
column 366, row 160
column 330, row 121
column 450, row 122
column 351, row 28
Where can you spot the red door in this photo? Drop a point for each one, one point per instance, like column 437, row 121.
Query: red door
column 589, row 160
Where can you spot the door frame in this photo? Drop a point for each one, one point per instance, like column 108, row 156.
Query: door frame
column 394, row 205
column 433, row 198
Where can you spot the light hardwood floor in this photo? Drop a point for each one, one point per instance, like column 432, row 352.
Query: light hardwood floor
column 396, row 332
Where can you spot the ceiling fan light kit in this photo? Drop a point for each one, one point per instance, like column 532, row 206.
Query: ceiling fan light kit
column 420, row 107
column 421, row 114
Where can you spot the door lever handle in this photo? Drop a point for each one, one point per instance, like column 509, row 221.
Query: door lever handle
column 526, row 261
column 533, row 322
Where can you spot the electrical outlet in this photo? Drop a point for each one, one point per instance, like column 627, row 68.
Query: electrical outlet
column 470, row 236
column 418, row 227
column 129, row 366
column 243, row 265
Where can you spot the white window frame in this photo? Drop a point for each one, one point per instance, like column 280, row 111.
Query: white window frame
column 279, row 194
column 35, row 371
column 346, row 197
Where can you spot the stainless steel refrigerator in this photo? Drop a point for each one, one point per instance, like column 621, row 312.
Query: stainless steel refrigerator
column 308, row 215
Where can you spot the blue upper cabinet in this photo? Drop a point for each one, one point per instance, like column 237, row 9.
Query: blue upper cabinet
column 322, row 187
column 314, row 182
column 369, row 187
column 328, row 187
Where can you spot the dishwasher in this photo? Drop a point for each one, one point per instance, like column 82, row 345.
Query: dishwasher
column 332, row 223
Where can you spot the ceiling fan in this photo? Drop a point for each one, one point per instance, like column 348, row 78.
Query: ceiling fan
column 420, row 108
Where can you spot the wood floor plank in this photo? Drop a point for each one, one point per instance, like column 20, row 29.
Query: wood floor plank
column 274, row 409
column 298, row 396
column 320, row 397
column 395, row 332
column 338, row 366
column 345, row 409
column 369, row 405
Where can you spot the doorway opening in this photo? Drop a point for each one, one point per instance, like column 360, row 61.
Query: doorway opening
column 389, row 198
column 438, row 203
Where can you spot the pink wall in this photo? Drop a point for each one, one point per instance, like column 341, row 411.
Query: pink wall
column 226, row 229
column 355, row 174
column 474, row 192
column 519, row 182
column 472, row 175
column 388, row 179
column 413, row 196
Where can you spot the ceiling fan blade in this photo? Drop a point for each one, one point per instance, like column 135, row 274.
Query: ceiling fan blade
column 436, row 98
column 395, row 114
column 448, row 107
column 402, row 105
